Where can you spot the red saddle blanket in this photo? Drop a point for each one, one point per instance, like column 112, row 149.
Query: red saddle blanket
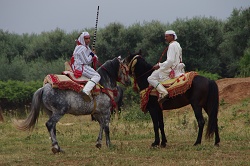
column 67, row 80
column 62, row 82
column 174, row 87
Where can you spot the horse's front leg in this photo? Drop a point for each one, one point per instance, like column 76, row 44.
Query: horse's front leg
column 201, row 122
column 51, row 126
column 104, row 125
column 154, row 117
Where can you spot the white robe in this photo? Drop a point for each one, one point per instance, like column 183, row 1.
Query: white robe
column 173, row 61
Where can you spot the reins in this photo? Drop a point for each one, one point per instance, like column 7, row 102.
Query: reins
column 132, row 63
column 109, row 91
column 131, row 67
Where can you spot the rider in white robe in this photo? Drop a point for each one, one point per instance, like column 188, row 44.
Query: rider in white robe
column 83, row 57
column 173, row 62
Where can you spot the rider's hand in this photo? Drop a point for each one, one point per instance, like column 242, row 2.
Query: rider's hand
column 95, row 58
column 156, row 66
column 92, row 54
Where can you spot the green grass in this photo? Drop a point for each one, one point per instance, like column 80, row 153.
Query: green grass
column 131, row 140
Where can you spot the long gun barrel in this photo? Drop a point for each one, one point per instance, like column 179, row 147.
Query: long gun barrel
column 93, row 45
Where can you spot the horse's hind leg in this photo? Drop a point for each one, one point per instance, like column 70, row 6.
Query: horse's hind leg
column 217, row 137
column 51, row 126
column 99, row 138
column 106, row 130
column 201, row 122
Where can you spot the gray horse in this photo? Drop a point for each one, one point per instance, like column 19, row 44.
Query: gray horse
column 58, row 102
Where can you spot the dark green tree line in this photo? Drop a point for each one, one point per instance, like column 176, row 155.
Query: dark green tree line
column 209, row 44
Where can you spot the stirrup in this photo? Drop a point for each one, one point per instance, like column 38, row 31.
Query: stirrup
column 86, row 97
column 163, row 98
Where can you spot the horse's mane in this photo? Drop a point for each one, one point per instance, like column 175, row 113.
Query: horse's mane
column 144, row 65
column 142, row 69
column 108, row 71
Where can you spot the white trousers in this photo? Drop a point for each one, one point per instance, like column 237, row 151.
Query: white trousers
column 90, row 73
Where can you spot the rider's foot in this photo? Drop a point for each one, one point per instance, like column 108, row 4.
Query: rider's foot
column 85, row 96
column 162, row 98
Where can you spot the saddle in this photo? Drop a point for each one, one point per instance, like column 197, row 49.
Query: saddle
column 175, row 86
column 67, row 80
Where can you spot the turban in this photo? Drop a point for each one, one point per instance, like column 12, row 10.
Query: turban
column 171, row 32
column 81, row 37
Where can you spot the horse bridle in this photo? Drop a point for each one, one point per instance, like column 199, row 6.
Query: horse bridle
column 131, row 67
column 124, row 69
column 132, row 64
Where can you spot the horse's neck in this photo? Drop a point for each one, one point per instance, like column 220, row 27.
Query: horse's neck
column 108, row 82
column 142, row 78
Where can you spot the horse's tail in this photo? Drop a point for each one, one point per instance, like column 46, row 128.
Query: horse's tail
column 1, row 115
column 212, row 106
column 31, row 120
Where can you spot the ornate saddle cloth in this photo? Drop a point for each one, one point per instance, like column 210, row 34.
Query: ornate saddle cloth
column 175, row 86
column 67, row 80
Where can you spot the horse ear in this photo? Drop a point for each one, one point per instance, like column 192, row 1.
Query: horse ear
column 140, row 52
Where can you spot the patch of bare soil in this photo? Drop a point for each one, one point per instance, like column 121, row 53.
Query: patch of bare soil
column 233, row 90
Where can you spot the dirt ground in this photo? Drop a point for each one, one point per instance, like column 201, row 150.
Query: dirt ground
column 233, row 90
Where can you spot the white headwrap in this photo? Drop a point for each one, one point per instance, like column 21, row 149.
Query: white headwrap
column 171, row 32
column 81, row 37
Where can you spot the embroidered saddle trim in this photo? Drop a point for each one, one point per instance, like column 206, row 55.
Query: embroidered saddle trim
column 174, row 87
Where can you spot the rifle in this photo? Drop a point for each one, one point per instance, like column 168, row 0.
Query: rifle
column 93, row 45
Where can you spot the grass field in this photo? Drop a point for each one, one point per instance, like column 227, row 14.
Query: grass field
column 131, row 140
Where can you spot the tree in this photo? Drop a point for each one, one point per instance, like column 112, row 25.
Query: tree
column 200, row 38
column 236, row 36
column 245, row 64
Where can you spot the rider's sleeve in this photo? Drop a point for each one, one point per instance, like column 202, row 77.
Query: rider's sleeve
column 170, row 59
column 83, row 57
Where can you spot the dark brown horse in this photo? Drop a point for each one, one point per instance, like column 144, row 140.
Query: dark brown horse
column 203, row 93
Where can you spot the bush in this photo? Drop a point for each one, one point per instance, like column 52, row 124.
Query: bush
column 211, row 76
column 17, row 93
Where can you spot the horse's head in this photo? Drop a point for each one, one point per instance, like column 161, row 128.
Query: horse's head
column 139, row 69
column 123, row 73
column 130, row 60
column 131, row 56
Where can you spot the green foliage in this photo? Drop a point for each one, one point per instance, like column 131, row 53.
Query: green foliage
column 51, row 46
column 12, row 70
column 245, row 64
column 18, row 91
column 130, row 96
column 110, row 42
column 37, row 70
column 235, row 40
column 153, row 42
column 134, row 113
column 200, row 39
column 211, row 76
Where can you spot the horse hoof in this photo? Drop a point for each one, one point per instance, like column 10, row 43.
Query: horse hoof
column 98, row 146
column 154, row 145
column 56, row 150
column 163, row 145
column 217, row 145
column 196, row 144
